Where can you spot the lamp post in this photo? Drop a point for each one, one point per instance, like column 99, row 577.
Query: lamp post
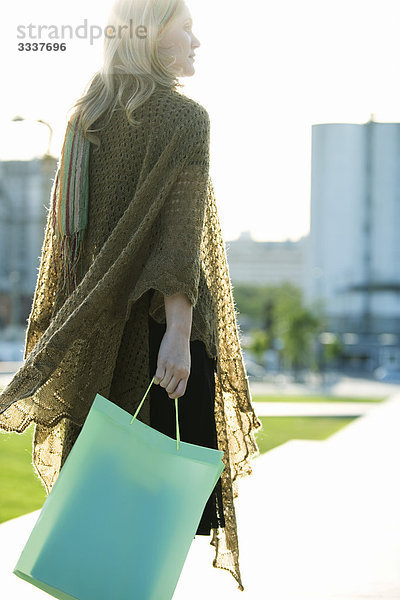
column 47, row 165
column 18, row 118
column 50, row 136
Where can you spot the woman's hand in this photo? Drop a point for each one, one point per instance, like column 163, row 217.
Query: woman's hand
column 173, row 363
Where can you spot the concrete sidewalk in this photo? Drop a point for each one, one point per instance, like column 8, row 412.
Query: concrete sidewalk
column 334, row 384
column 317, row 520
column 315, row 409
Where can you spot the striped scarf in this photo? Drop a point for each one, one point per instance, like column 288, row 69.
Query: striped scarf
column 70, row 199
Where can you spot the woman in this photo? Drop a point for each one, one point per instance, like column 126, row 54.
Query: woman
column 133, row 280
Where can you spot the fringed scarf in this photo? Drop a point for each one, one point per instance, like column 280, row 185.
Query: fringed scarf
column 70, row 199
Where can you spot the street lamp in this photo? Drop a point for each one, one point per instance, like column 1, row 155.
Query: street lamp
column 47, row 163
column 19, row 118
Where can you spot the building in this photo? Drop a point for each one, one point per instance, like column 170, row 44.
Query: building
column 353, row 254
column 266, row 263
column 25, row 188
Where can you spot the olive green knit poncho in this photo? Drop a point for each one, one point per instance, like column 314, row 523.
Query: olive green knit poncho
column 152, row 224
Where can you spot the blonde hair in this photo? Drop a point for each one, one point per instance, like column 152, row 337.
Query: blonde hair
column 132, row 62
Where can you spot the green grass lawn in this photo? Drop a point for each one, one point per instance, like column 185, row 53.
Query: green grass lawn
column 278, row 430
column 22, row 491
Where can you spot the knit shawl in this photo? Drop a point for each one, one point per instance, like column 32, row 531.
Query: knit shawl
column 152, row 225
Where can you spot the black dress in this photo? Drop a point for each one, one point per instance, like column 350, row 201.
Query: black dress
column 196, row 413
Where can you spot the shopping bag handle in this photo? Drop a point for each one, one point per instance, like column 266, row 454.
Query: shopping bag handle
column 176, row 413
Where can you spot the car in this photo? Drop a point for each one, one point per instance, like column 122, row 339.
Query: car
column 11, row 350
column 254, row 370
column 387, row 375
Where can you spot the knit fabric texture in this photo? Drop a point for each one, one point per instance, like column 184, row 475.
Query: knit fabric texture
column 152, row 225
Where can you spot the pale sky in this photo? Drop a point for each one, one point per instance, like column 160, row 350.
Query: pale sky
column 265, row 71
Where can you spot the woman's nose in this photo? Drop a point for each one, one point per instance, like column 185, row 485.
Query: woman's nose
column 195, row 42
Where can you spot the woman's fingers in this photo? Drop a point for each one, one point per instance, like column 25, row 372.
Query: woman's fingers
column 180, row 390
column 174, row 388
column 174, row 385
column 173, row 364
column 159, row 374
column 164, row 377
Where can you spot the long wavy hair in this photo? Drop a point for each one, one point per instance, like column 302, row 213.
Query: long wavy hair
column 133, row 64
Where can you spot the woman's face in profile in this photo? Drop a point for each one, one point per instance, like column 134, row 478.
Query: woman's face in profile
column 179, row 41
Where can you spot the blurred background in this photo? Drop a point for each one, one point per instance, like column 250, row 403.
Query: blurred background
column 305, row 138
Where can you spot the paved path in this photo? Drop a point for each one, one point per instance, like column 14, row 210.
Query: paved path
column 317, row 520
column 315, row 409
column 335, row 385
column 7, row 371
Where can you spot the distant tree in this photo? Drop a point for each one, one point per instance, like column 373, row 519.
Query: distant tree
column 298, row 340
column 280, row 316
column 251, row 299
column 268, row 313
column 260, row 342
column 333, row 351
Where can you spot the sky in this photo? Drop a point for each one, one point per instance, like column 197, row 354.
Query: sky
column 265, row 72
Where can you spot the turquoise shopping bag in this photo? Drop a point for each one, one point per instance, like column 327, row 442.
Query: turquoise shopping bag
column 122, row 514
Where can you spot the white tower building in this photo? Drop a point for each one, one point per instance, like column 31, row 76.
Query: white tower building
column 353, row 251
